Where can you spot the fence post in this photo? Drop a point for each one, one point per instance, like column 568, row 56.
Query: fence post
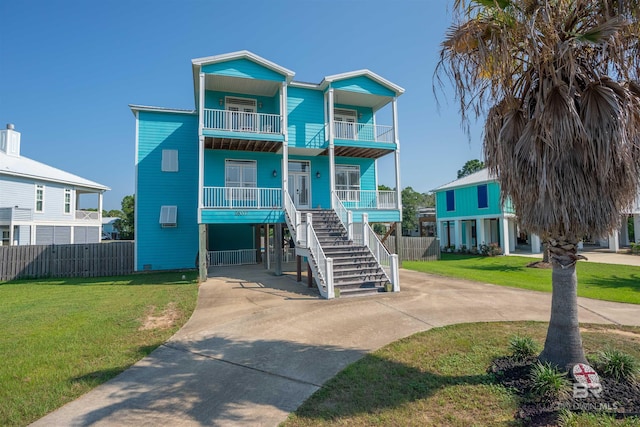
column 349, row 225
column 395, row 273
column 365, row 229
column 329, row 278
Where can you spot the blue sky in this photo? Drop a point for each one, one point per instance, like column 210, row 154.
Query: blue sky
column 69, row 70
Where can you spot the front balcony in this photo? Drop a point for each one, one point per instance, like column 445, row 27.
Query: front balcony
column 363, row 132
column 242, row 122
column 368, row 199
column 241, row 198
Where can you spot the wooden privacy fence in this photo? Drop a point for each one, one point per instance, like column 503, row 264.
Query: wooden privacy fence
column 81, row 260
column 415, row 248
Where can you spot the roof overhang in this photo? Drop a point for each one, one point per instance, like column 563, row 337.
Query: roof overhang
column 135, row 108
column 349, row 97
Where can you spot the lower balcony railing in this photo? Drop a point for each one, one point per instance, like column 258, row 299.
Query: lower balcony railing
column 236, row 121
column 241, row 197
column 87, row 215
column 363, row 132
column 368, row 199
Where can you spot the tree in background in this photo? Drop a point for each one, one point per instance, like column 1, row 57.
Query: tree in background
column 558, row 81
column 125, row 223
column 470, row 167
column 411, row 202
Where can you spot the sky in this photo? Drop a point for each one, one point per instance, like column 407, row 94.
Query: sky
column 70, row 69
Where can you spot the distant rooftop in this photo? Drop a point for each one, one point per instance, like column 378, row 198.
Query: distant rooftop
column 475, row 178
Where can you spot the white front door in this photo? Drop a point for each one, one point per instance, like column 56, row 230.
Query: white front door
column 299, row 184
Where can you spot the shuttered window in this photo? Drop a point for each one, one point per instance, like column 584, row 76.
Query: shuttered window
column 169, row 160
column 483, row 197
column 451, row 201
column 168, row 216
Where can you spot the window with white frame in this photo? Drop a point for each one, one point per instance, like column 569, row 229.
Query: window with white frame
column 39, row 198
column 345, row 123
column 240, row 179
column 348, row 182
column 242, row 114
column 67, row 200
column 168, row 216
column 169, row 160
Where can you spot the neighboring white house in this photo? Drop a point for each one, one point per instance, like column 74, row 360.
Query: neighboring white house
column 39, row 203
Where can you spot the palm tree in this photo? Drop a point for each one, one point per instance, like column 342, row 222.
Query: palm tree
column 558, row 83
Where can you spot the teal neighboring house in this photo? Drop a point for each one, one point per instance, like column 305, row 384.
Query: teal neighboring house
column 469, row 213
column 262, row 152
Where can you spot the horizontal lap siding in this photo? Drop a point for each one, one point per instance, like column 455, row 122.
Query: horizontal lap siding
column 266, row 163
column 167, row 248
column 270, row 104
column 466, row 202
column 306, row 118
column 242, row 68
column 363, row 84
column 240, row 216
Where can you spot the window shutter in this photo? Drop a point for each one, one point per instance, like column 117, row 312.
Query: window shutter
column 169, row 160
column 168, row 216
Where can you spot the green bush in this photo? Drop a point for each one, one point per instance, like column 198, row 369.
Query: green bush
column 617, row 365
column 523, row 347
column 635, row 248
column 549, row 383
column 492, row 249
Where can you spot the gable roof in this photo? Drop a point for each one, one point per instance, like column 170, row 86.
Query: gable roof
column 480, row 177
column 28, row 168
column 242, row 54
column 359, row 73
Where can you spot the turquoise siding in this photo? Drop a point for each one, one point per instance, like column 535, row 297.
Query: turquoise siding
column 367, row 170
column 306, row 118
column 239, row 216
column 363, row 84
column 167, row 248
column 270, row 104
column 365, row 112
column 242, row 68
column 266, row 163
column 466, row 202
column 378, row 216
column 229, row 237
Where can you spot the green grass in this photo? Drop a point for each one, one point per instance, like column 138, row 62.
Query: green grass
column 609, row 282
column 439, row 378
column 59, row 338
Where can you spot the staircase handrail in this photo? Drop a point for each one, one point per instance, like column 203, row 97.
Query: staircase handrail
column 388, row 261
column 324, row 270
column 344, row 215
column 292, row 217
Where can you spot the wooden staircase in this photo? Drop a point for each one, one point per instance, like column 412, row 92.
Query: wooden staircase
column 356, row 272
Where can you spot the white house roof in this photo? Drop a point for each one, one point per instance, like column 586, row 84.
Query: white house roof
column 109, row 220
column 25, row 167
column 243, row 54
column 479, row 177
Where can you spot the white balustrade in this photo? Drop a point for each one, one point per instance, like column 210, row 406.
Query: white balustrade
column 363, row 132
column 233, row 257
column 237, row 121
column 368, row 199
column 241, row 198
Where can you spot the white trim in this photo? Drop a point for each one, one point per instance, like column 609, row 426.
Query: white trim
column 243, row 54
column 305, row 85
column 68, row 191
column 472, row 217
column 367, row 73
column 135, row 108
column 35, row 205
column 135, row 196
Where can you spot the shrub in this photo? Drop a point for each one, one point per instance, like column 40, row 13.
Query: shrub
column 617, row 365
column 635, row 248
column 492, row 249
column 548, row 383
column 523, row 347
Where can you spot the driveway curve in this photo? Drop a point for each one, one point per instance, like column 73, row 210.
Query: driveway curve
column 258, row 345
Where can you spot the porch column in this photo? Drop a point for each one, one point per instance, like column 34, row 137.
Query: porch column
column 100, row 196
column 504, row 235
column 479, row 232
column 396, row 153
column 277, row 246
column 624, row 231
column 458, row 233
column 535, row 244
column 256, row 242
column 202, row 252
column 468, row 234
column 284, row 123
column 636, row 227
column 11, row 233
column 201, row 145
column 512, row 235
column 267, row 256
column 332, row 159
column 614, row 242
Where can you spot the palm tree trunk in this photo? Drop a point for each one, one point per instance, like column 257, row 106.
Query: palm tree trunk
column 563, row 345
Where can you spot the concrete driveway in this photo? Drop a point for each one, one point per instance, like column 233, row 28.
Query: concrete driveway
column 258, row 345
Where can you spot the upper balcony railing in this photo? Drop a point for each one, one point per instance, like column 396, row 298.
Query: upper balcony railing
column 242, row 198
column 368, row 199
column 362, row 132
column 87, row 215
column 236, row 121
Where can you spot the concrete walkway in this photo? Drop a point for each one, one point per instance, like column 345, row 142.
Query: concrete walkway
column 597, row 255
column 258, row 345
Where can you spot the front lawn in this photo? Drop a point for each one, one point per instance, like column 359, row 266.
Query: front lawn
column 610, row 282
column 59, row 338
column 440, row 378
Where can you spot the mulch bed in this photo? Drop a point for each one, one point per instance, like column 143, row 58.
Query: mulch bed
column 617, row 398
